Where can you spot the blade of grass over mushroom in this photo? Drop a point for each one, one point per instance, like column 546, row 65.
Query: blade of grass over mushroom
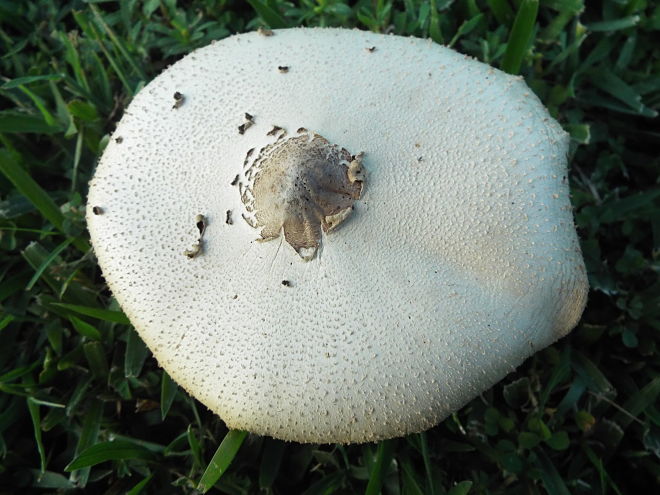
column 221, row 460
column 384, row 455
column 520, row 35
column 268, row 14
column 99, row 314
column 110, row 451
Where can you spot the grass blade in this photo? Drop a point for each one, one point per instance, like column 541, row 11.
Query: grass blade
column 19, row 81
column 384, row 455
column 168, row 390
column 97, row 360
column 118, row 43
column 270, row 462
column 109, row 451
column 137, row 489
column 270, row 16
column 501, row 10
column 13, row 122
column 85, row 329
column 30, row 189
column 136, row 354
column 35, row 194
column 520, row 35
column 615, row 25
column 424, row 447
column 35, row 415
column 638, row 402
column 51, row 257
column 221, row 459
column 89, row 433
column 551, row 479
column 462, row 488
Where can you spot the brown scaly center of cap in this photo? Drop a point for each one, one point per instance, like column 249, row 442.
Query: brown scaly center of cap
column 303, row 185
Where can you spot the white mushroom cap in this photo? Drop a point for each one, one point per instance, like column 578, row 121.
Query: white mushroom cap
column 455, row 260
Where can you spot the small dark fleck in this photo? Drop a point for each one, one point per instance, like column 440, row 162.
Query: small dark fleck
column 235, row 181
column 200, row 222
column 286, row 283
column 245, row 126
column 235, row 296
column 371, row 49
column 229, row 220
column 283, row 68
column 264, row 31
column 97, row 210
column 420, row 158
column 249, row 117
column 178, row 100
column 273, row 131
column 119, row 139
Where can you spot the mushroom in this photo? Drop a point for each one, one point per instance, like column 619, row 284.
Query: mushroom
column 368, row 294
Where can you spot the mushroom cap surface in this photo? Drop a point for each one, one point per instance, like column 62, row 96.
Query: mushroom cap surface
column 459, row 259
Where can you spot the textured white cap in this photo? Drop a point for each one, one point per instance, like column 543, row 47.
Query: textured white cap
column 459, row 258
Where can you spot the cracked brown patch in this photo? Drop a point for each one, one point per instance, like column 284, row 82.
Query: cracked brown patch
column 302, row 185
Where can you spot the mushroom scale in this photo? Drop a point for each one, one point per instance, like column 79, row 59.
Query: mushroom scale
column 458, row 260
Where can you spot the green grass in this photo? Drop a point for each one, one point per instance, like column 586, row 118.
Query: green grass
column 82, row 403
